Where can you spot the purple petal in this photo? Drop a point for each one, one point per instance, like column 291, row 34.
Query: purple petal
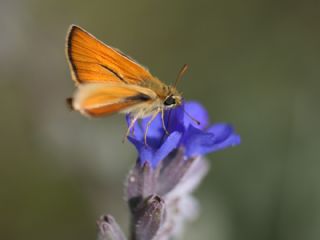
column 231, row 141
column 174, row 119
column 197, row 142
column 221, row 131
column 155, row 132
column 168, row 145
column 155, row 128
column 154, row 155
column 224, row 137
column 219, row 136
column 198, row 112
column 145, row 152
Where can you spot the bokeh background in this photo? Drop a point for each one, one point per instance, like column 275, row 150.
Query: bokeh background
column 253, row 63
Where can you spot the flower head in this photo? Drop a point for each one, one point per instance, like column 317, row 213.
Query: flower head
column 196, row 140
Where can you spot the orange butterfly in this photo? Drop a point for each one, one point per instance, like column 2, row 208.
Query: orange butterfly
column 109, row 82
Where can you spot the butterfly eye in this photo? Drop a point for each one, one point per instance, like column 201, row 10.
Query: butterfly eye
column 170, row 101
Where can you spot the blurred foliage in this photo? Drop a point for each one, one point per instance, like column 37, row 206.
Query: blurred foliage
column 252, row 63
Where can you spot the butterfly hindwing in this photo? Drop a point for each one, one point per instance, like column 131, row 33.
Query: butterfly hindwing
column 105, row 99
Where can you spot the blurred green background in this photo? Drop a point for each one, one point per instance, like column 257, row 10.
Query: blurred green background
column 254, row 64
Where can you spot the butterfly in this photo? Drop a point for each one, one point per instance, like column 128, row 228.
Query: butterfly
column 108, row 82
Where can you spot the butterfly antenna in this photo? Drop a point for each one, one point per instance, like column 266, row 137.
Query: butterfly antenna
column 167, row 124
column 181, row 73
column 192, row 118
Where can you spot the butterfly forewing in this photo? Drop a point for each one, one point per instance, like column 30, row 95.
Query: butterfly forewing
column 93, row 61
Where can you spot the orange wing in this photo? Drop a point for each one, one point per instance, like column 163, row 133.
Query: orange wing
column 93, row 61
column 100, row 99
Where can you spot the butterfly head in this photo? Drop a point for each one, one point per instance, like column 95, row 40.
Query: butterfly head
column 173, row 99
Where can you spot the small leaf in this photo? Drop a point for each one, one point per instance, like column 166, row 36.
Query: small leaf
column 173, row 168
column 109, row 229
column 141, row 183
column 148, row 218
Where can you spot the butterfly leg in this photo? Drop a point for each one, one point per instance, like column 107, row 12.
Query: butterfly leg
column 163, row 123
column 132, row 122
column 148, row 125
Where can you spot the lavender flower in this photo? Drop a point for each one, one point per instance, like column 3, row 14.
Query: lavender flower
column 197, row 140
column 160, row 185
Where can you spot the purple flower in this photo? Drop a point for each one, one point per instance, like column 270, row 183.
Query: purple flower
column 185, row 133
